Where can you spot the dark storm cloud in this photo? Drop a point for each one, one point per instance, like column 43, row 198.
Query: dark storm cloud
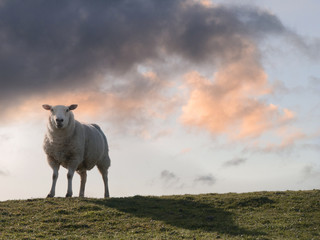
column 65, row 45
column 46, row 44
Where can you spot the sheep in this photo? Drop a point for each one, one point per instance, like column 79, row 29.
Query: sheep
column 76, row 146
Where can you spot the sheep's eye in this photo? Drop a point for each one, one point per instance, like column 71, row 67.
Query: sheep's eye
column 67, row 110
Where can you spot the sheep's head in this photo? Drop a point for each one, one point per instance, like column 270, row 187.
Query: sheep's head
column 60, row 114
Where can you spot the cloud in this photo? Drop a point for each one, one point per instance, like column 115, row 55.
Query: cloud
column 285, row 141
column 311, row 146
column 4, row 137
column 314, row 85
column 168, row 176
column 231, row 103
column 4, row 173
column 309, row 172
column 127, row 110
column 185, row 151
column 73, row 45
column 171, row 180
column 206, row 179
column 102, row 37
column 163, row 133
column 235, row 162
column 120, row 61
column 206, row 3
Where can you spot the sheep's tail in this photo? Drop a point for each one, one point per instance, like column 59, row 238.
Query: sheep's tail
column 99, row 129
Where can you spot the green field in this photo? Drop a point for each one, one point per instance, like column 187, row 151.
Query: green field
column 259, row 215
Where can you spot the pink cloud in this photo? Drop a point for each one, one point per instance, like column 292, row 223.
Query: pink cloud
column 231, row 103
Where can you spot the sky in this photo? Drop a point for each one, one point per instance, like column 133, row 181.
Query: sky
column 194, row 96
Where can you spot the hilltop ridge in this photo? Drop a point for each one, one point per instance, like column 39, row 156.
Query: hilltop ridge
column 258, row 215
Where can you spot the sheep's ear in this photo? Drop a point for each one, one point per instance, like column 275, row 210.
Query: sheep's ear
column 46, row 107
column 73, row 106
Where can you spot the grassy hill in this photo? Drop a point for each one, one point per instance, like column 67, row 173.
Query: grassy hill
column 260, row 215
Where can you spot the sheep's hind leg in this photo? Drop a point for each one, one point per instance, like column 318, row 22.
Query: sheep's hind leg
column 54, row 180
column 103, row 168
column 106, row 188
column 83, row 176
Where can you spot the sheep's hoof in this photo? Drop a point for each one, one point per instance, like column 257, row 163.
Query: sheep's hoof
column 50, row 195
column 68, row 195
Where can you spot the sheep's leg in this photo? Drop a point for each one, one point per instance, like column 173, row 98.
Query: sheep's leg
column 55, row 175
column 70, row 176
column 83, row 176
column 103, row 168
column 106, row 188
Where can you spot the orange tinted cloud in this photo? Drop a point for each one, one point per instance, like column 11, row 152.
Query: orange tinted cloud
column 231, row 103
column 284, row 140
column 134, row 106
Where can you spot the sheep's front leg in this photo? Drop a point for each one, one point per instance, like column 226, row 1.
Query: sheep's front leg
column 70, row 176
column 55, row 168
column 83, row 176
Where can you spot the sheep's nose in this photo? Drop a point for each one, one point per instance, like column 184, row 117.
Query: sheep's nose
column 59, row 120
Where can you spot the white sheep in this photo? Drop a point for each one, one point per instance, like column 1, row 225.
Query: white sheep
column 75, row 146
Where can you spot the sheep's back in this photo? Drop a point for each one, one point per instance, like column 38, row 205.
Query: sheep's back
column 96, row 147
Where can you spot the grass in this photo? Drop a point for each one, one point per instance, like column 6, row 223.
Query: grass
column 259, row 215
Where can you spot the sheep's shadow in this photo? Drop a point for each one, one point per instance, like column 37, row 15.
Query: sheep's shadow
column 183, row 213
